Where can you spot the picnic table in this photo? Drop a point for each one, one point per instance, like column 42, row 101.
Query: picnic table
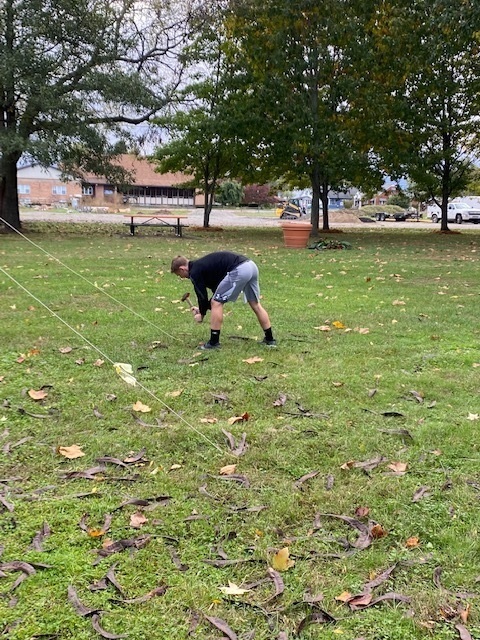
column 155, row 219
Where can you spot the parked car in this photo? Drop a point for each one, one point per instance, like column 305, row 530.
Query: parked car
column 457, row 212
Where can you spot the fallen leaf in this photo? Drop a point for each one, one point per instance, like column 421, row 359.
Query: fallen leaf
column 65, row 349
column 253, row 360
column 324, row 327
column 398, row 467
column 363, row 330
column 208, row 420
column 174, row 394
column 362, row 512
column 140, row 407
column 281, row 560
column 228, row 469
column 412, row 542
column 222, row 626
column 234, row 419
column 137, row 520
column 463, row 632
column 125, row 371
column 175, row 466
column 70, row 452
column 37, row 395
column 345, row 596
column 377, row 531
column 233, row 590
column 338, row 325
column 398, row 302
column 98, row 363
column 472, row 416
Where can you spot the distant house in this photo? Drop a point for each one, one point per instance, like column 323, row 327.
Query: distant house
column 382, row 198
column 45, row 186
column 37, row 185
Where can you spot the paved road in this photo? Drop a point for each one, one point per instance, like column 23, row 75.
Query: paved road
column 228, row 218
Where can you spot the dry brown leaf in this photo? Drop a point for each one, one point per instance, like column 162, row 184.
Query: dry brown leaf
column 253, row 360
column 228, row 469
column 324, row 327
column 208, row 420
column 65, row 349
column 137, row 520
column 140, row 407
column 281, row 560
column 37, row 395
column 362, row 512
column 412, row 542
column 378, row 531
column 98, row 363
column 70, row 452
column 363, row 330
column 398, row 467
column 347, row 465
column 398, row 302
column 234, row 419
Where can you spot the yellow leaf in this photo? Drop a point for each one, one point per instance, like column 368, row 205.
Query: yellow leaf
column 253, row 360
column 140, row 407
column 125, row 371
column 174, row 394
column 281, row 560
column 37, row 395
column 228, row 469
column 338, row 325
column 71, row 452
column 345, row 596
column 96, row 533
column 233, row 590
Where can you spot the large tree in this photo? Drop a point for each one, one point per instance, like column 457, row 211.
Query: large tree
column 298, row 59
column 425, row 54
column 206, row 134
column 75, row 75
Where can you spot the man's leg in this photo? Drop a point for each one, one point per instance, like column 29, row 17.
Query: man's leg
column 216, row 319
column 262, row 315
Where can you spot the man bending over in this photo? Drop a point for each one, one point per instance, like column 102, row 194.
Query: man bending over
column 226, row 274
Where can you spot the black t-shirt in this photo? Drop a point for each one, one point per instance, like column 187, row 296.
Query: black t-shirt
column 207, row 273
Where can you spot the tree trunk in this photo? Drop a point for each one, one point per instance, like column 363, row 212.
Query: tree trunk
column 315, row 214
column 324, row 198
column 445, row 194
column 9, row 212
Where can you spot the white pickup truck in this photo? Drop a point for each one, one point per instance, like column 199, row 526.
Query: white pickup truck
column 457, row 212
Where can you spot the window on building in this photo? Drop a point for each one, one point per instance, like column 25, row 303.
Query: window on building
column 87, row 190
column 59, row 190
column 108, row 190
column 23, row 189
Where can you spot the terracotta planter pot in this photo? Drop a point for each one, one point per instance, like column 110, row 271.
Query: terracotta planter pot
column 296, row 234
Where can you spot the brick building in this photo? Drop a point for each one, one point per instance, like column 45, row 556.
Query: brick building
column 45, row 186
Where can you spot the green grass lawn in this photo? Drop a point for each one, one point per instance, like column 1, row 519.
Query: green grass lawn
column 367, row 410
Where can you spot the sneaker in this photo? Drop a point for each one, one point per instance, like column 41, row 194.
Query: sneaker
column 269, row 343
column 209, row 345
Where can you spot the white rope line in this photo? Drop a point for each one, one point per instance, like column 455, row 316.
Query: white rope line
column 79, row 275
column 106, row 357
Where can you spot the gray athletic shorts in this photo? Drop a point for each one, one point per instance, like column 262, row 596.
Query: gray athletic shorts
column 242, row 278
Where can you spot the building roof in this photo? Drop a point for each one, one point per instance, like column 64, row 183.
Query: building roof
column 143, row 171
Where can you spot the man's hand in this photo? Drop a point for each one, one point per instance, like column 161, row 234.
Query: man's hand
column 197, row 316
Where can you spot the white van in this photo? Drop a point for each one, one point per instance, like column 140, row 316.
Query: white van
column 457, row 212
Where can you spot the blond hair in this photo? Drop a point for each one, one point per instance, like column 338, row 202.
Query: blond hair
column 179, row 261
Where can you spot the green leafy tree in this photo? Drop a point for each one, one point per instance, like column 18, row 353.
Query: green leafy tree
column 425, row 55
column 473, row 186
column 400, row 200
column 203, row 136
column 77, row 74
column 230, row 193
column 296, row 58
